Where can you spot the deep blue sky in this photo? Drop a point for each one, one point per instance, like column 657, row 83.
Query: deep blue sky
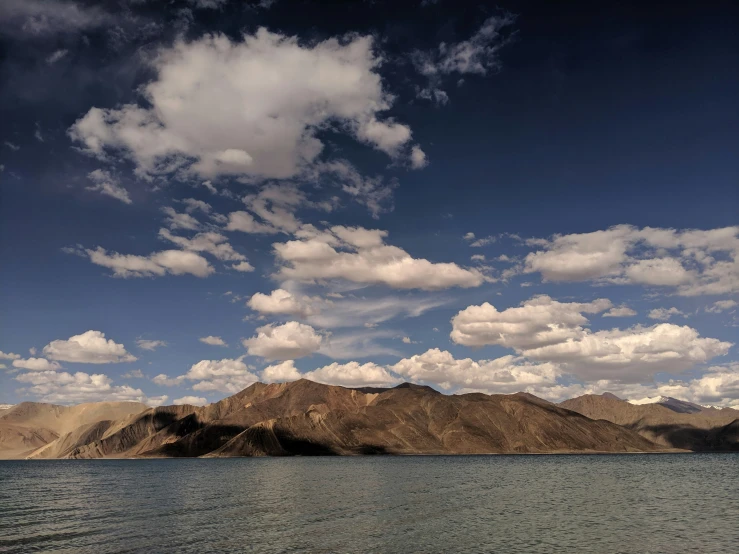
column 567, row 121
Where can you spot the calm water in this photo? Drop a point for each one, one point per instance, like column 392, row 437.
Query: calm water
column 604, row 504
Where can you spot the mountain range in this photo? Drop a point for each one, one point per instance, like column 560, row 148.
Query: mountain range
column 308, row 418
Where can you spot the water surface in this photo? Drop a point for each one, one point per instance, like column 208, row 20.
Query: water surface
column 527, row 504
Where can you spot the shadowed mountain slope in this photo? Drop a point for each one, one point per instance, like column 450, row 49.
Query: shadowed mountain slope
column 308, row 418
column 674, row 424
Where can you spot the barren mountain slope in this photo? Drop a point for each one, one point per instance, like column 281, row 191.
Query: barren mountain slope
column 29, row 426
column 658, row 423
column 304, row 417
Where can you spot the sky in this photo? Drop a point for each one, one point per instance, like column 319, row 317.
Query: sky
column 196, row 195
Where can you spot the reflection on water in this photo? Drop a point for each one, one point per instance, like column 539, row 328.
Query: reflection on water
column 628, row 503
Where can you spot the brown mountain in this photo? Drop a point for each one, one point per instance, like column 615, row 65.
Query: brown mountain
column 671, row 424
column 307, row 418
column 27, row 427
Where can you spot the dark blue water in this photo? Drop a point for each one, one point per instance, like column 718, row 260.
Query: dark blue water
column 508, row 504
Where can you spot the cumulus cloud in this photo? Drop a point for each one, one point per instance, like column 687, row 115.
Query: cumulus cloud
column 499, row 376
column 106, row 184
column 351, row 374
column 8, row 356
column 631, row 355
column 191, row 400
column 281, row 302
column 620, row 311
column 213, row 341
column 546, row 330
column 361, row 256
column 663, row 314
column 91, row 347
column 284, row 342
column 692, row 262
column 243, row 267
column 157, row 264
column 539, row 321
column 64, row 388
column 280, row 373
column 227, row 375
column 196, row 119
column 418, row 158
column 36, row 364
column 145, row 344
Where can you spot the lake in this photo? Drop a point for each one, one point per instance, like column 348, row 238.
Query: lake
column 529, row 504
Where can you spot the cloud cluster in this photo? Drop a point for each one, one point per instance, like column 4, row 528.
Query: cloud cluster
column 692, row 262
column 539, row 321
column 91, row 347
column 351, row 374
column 173, row 262
column 546, row 330
column 227, row 375
column 251, row 108
column 64, row 388
column 500, row 376
column 361, row 256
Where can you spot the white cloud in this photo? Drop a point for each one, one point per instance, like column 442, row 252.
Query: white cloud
column 692, row 262
column 663, row 314
column 210, row 242
column 91, row 347
column 191, row 400
column 145, row 344
column 280, row 373
column 502, row 375
column 360, row 255
column 213, row 341
column 107, row 185
column 243, row 267
column 550, row 331
column 193, row 205
column 8, row 356
column 477, row 257
column 165, row 381
column 631, row 355
column 62, row 387
column 157, row 264
column 418, row 158
column 227, row 375
column 721, row 306
column 620, row 311
column 280, row 302
column 177, row 220
column 538, row 321
column 36, row 364
column 283, row 342
column 353, row 374
column 197, row 117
